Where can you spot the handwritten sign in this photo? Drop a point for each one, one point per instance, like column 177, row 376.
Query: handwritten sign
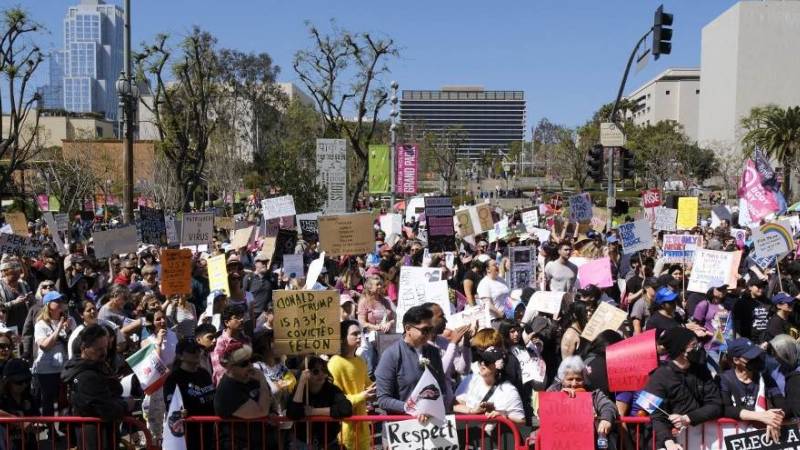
column 580, row 208
column 636, row 236
column 306, row 322
column 687, row 213
column 570, row 421
column 18, row 223
column 218, row 274
column 410, row 435
column 176, row 272
column 629, row 362
column 347, row 234
column 665, row 219
column 152, row 226
column 242, row 237
column 273, row 208
column 605, row 317
column 116, row 240
column 711, row 268
column 197, row 228
column 651, row 198
column 308, row 225
column 596, row 272
column 415, row 289
column 679, row 248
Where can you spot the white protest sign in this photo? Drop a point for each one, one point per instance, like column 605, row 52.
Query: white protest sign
column 53, row 227
column 117, row 240
column 293, row 264
column 711, row 268
column 580, row 208
column 773, row 239
column 314, row 270
column 532, row 369
column 413, row 290
column 542, row 234
column 636, row 236
column 62, row 222
column 392, row 224
column 410, row 435
column 273, row 208
column 500, row 230
column 548, row 302
column 172, row 231
column 468, row 316
column 197, row 228
column 530, row 219
column 665, row 219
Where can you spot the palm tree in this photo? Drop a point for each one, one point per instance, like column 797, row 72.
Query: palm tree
column 777, row 132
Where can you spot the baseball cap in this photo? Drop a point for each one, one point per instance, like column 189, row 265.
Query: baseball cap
column 345, row 298
column 52, row 297
column 590, row 291
column 665, row 295
column 782, row 297
column 262, row 257
column 744, row 348
column 490, row 355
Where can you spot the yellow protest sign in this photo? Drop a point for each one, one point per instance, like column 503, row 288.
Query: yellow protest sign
column 218, row 274
column 176, row 271
column 306, row 322
column 687, row 212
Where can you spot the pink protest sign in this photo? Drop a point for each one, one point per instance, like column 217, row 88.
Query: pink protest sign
column 566, row 423
column 760, row 200
column 43, row 201
column 596, row 272
column 651, row 198
column 406, row 171
column 629, row 362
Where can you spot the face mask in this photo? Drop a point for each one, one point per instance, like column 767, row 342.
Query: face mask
column 697, row 356
column 755, row 365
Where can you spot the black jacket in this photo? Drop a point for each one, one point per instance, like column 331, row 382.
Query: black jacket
column 322, row 433
column 693, row 392
column 792, row 393
column 94, row 390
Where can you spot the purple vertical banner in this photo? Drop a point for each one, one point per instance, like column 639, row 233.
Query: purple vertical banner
column 43, row 200
column 406, row 176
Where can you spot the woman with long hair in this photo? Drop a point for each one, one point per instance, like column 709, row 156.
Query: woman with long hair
column 52, row 328
column 573, row 322
column 181, row 315
column 164, row 341
column 376, row 314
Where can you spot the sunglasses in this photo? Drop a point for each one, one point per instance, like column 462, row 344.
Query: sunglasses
column 423, row 330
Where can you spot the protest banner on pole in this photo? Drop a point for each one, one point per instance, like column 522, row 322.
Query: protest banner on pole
column 218, row 274
column 636, row 236
column 115, row 240
column 152, row 226
column 18, row 222
column 347, row 234
column 580, row 208
column 679, row 248
column 665, row 219
column 277, row 207
column 569, row 421
column 712, row 268
column 439, row 218
column 176, row 272
column 197, row 228
column 415, row 288
column 293, row 266
column 605, row 317
column 410, row 435
column 306, row 322
column 332, row 173
column 596, row 272
column 629, row 362
column 687, row 213
column 530, row 218
column 523, row 267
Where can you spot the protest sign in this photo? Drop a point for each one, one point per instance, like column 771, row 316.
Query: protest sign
column 152, row 226
column 596, row 272
column 541, row 234
column 651, row 198
column 115, row 240
column 268, row 247
column 176, row 272
column 629, row 362
column 760, row 440
column 636, row 236
column 580, row 208
column 62, row 222
column 392, row 224
column 314, row 270
column 530, row 218
column 720, row 213
column 439, row 214
column 548, row 302
column 306, row 322
column 241, row 238
column 172, row 230
column 414, row 290
column 308, row 226
column 605, row 317
column 711, row 268
column 347, row 234
column 687, row 213
column 410, row 435
column 332, row 173
column 740, row 235
column 482, row 216
column 18, row 222
column 12, row 243
column 773, row 239
column 599, row 219
column 570, row 421
column 470, row 315
column 499, row 231
column 293, row 266
column 679, row 248
column 523, row 266
column 426, row 398
column 197, row 228
column 285, row 243
column 665, row 219
column 463, row 223
column 218, row 274
column 276, row 207
column 224, row 223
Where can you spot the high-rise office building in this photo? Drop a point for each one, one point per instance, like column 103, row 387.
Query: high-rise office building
column 83, row 74
column 490, row 119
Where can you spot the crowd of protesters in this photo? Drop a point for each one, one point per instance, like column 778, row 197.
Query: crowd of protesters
column 69, row 321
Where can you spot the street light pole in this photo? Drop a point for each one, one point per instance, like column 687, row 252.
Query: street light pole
column 128, row 108
column 393, row 146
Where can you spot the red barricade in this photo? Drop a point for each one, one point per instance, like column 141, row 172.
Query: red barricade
column 215, row 433
column 84, row 433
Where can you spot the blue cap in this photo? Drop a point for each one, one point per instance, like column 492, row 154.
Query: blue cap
column 782, row 297
column 611, row 239
column 52, row 297
column 744, row 348
column 665, row 295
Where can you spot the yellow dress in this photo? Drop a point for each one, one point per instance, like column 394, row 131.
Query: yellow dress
column 350, row 375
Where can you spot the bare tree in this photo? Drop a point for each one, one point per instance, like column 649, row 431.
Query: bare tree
column 226, row 164
column 163, row 190
column 441, row 149
column 343, row 74
column 731, row 162
column 69, row 178
column 19, row 59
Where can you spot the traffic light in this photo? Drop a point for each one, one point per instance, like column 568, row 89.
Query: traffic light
column 662, row 33
column 594, row 162
column 627, row 164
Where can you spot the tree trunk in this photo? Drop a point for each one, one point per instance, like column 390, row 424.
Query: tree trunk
column 787, row 182
column 360, row 184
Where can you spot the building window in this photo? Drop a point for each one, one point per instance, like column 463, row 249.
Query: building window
column 667, row 92
column 697, row 91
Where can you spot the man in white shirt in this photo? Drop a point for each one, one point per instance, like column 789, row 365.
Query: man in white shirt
column 561, row 274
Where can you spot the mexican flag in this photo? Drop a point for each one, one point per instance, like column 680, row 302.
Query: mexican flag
column 148, row 368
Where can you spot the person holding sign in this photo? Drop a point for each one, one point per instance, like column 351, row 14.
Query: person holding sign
column 376, row 314
column 233, row 321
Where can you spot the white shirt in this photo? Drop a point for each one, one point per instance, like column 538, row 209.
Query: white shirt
column 505, row 396
column 496, row 290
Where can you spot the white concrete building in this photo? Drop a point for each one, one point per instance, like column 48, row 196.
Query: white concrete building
column 749, row 58
column 673, row 95
column 291, row 91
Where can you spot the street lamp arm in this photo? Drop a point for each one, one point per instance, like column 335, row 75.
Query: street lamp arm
column 612, row 116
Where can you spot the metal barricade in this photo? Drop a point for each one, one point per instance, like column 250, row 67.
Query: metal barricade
column 281, row 433
column 64, row 432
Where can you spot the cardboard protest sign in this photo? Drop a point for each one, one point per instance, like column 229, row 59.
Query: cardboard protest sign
column 284, row 245
column 293, row 266
column 687, row 213
column 679, row 248
column 218, row 274
column 599, row 219
column 570, row 419
column 273, row 208
column 243, row 237
column 439, row 214
column 636, row 236
column 463, row 223
column 414, row 289
column 197, row 228
column 18, row 223
column 308, row 226
column 347, row 234
column 711, row 268
column 596, row 272
column 115, row 240
column 651, row 198
column 605, row 317
column 580, row 208
column 410, row 435
column 268, row 247
column 548, row 302
column 224, row 223
column 152, row 226
column 176, row 272
column 665, row 219
column 629, row 362
column 306, row 322
column 530, row 218
column 482, row 219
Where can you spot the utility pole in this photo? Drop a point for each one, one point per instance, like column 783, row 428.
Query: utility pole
column 128, row 94
column 393, row 146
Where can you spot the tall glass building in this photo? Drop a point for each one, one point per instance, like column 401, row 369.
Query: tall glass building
column 490, row 119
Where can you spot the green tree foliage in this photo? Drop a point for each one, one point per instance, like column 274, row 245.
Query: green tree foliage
column 777, row 131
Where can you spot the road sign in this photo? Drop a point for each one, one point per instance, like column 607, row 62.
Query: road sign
column 611, row 135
